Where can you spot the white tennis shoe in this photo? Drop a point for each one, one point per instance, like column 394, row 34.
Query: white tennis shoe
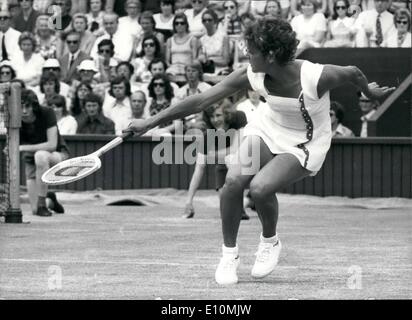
column 226, row 272
column 267, row 258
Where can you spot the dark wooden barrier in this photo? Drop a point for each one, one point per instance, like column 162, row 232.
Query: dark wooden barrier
column 386, row 66
column 369, row 167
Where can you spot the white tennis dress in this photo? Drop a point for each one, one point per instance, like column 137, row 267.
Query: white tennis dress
column 302, row 126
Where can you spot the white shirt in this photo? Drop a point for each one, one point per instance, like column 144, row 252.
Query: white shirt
column 129, row 25
column 123, row 45
column 364, row 119
column 367, row 21
column 12, row 43
column 306, row 28
column 120, row 113
column 248, row 108
column 29, row 71
column 392, row 41
column 67, row 125
column 195, row 22
column 163, row 25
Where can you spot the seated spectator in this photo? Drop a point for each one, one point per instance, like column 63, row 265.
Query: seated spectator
column 122, row 41
column 119, row 110
column 49, row 87
column 130, row 23
column 162, row 94
column 164, row 19
column 159, row 66
column 150, row 50
column 401, row 36
column 231, row 23
column 321, row 6
column 41, row 5
column 374, row 26
column 14, row 8
column 181, row 49
column 368, row 108
column 78, row 6
column 148, row 25
column 93, row 121
column 181, row 6
column 9, row 37
column 26, row 19
column 310, row 26
column 95, row 17
column 151, row 5
column 214, row 46
column 52, row 66
column 341, row 30
column 337, row 113
column 78, row 100
column 46, row 38
column 87, row 72
column 194, row 17
column 66, row 124
column 273, row 9
column 73, row 58
column 126, row 70
column 87, row 38
column 7, row 72
column 27, row 63
column 41, row 146
column 105, row 61
column 138, row 103
column 195, row 85
column 251, row 104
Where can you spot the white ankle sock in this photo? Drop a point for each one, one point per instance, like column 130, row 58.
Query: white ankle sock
column 230, row 251
column 272, row 240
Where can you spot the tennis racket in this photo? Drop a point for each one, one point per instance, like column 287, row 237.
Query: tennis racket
column 77, row 168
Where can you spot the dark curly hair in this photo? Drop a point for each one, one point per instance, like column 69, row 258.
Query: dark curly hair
column 273, row 35
column 168, row 88
column 28, row 97
column 48, row 76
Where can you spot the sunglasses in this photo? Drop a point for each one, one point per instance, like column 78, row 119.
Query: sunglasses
column 72, row 42
column 158, row 84
column 148, row 44
column 207, row 20
column 197, row 1
column 341, row 7
column 229, row 7
column 4, row 18
column 182, row 23
column 7, row 73
column 105, row 51
column 405, row 22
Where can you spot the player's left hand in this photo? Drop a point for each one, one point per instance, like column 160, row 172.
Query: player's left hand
column 138, row 126
column 376, row 92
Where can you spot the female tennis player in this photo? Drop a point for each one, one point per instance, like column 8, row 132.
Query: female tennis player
column 293, row 133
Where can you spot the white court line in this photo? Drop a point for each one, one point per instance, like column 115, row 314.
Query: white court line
column 140, row 263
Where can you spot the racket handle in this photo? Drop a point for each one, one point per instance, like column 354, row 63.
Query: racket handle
column 114, row 143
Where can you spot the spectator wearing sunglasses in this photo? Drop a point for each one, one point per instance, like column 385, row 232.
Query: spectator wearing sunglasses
column 181, row 49
column 150, row 50
column 73, row 58
column 7, row 72
column 401, row 37
column 231, row 22
column 341, row 30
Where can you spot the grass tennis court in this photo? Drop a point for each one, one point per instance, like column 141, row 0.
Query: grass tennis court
column 333, row 248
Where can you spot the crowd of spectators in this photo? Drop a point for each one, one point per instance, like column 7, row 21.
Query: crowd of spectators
column 100, row 63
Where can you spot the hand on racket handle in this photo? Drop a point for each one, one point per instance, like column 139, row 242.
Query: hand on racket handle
column 138, row 127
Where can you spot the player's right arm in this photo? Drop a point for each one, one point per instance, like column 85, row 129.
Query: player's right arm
column 233, row 83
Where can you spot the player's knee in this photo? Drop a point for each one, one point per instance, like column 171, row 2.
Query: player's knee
column 233, row 184
column 260, row 191
column 42, row 158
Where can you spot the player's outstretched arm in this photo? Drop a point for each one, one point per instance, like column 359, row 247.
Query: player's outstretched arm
column 335, row 76
column 234, row 82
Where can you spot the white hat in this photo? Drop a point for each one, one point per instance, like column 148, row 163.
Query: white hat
column 51, row 63
column 87, row 65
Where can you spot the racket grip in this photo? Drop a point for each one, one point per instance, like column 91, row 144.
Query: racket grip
column 127, row 135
